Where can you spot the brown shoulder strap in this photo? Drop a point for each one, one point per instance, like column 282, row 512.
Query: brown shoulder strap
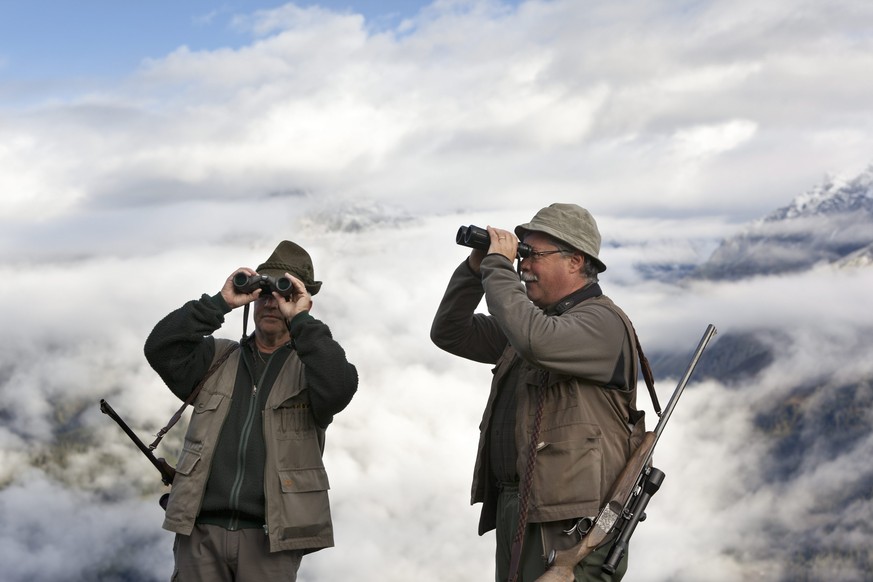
column 645, row 368
column 193, row 395
column 647, row 374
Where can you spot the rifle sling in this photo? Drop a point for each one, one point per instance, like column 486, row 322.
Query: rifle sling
column 192, row 396
column 647, row 373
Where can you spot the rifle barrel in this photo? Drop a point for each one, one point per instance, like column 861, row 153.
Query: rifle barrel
column 665, row 416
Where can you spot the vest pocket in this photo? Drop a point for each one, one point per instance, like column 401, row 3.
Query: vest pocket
column 567, row 471
column 208, row 404
column 304, row 496
column 205, row 408
column 189, row 457
column 304, row 480
column 294, row 421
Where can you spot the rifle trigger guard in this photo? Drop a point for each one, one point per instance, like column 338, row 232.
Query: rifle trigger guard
column 582, row 526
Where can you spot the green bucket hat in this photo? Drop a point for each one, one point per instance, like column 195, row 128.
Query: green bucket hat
column 570, row 224
column 291, row 258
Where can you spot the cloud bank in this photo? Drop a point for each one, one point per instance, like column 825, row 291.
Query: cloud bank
column 645, row 108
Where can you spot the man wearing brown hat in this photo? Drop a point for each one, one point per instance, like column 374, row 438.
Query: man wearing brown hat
column 561, row 419
column 250, row 493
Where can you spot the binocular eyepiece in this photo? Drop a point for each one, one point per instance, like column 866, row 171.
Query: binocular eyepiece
column 242, row 283
column 478, row 238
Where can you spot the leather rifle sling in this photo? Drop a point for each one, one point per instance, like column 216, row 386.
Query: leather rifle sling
column 647, row 374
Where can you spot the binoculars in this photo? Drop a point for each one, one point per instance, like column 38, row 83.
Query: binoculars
column 242, row 283
column 478, row 238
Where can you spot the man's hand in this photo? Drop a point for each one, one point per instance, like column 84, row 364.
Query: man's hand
column 230, row 295
column 299, row 301
column 503, row 242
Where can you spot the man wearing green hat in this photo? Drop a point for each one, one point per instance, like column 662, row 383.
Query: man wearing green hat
column 561, row 419
column 250, row 493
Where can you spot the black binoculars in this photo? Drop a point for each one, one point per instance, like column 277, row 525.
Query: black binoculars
column 478, row 238
column 243, row 283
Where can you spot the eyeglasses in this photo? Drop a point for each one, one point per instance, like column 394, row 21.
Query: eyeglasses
column 537, row 255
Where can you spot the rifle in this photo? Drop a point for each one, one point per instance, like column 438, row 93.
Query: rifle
column 167, row 471
column 628, row 498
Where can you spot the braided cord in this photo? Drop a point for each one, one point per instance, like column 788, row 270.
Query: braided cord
column 527, row 481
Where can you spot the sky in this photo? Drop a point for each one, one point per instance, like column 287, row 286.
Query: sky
column 148, row 150
column 53, row 39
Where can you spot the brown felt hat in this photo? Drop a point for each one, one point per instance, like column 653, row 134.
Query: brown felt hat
column 291, row 258
column 570, row 224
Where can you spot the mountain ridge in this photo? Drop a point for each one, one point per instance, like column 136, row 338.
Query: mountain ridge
column 830, row 223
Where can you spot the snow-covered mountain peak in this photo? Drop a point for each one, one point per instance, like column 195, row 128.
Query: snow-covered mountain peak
column 825, row 224
column 835, row 195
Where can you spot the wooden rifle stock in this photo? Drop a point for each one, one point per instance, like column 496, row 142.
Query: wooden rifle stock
column 166, row 470
column 563, row 561
column 625, row 488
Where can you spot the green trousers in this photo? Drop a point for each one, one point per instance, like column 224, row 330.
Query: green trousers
column 533, row 560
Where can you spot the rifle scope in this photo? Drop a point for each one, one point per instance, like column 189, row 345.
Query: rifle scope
column 477, row 238
column 650, row 486
column 242, row 283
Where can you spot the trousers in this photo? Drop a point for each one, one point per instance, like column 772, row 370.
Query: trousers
column 214, row 554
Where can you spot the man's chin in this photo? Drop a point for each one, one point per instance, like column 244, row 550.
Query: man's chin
column 532, row 295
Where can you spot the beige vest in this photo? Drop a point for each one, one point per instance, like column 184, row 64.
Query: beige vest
column 295, row 480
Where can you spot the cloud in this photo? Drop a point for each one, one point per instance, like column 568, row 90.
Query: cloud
column 62, row 534
column 400, row 457
column 542, row 97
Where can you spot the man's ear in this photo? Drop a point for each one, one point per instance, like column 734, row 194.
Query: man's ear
column 577, row 262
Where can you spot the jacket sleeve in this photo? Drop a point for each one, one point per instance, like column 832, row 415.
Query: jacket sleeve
column 180, row 348
column 587, row 342
column 330, row 379
column 457, row 329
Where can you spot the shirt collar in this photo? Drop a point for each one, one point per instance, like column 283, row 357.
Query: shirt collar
column 575, row 298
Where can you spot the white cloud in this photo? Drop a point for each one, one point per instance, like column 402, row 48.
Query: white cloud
column 400, row 457
column 548, row 95
column 706, row 141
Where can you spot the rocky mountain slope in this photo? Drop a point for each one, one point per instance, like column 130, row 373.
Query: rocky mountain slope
column 814, row 424
column 830, row 223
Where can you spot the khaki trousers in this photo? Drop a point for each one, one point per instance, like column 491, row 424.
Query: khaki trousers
column 214, row 554
column 533, row 560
